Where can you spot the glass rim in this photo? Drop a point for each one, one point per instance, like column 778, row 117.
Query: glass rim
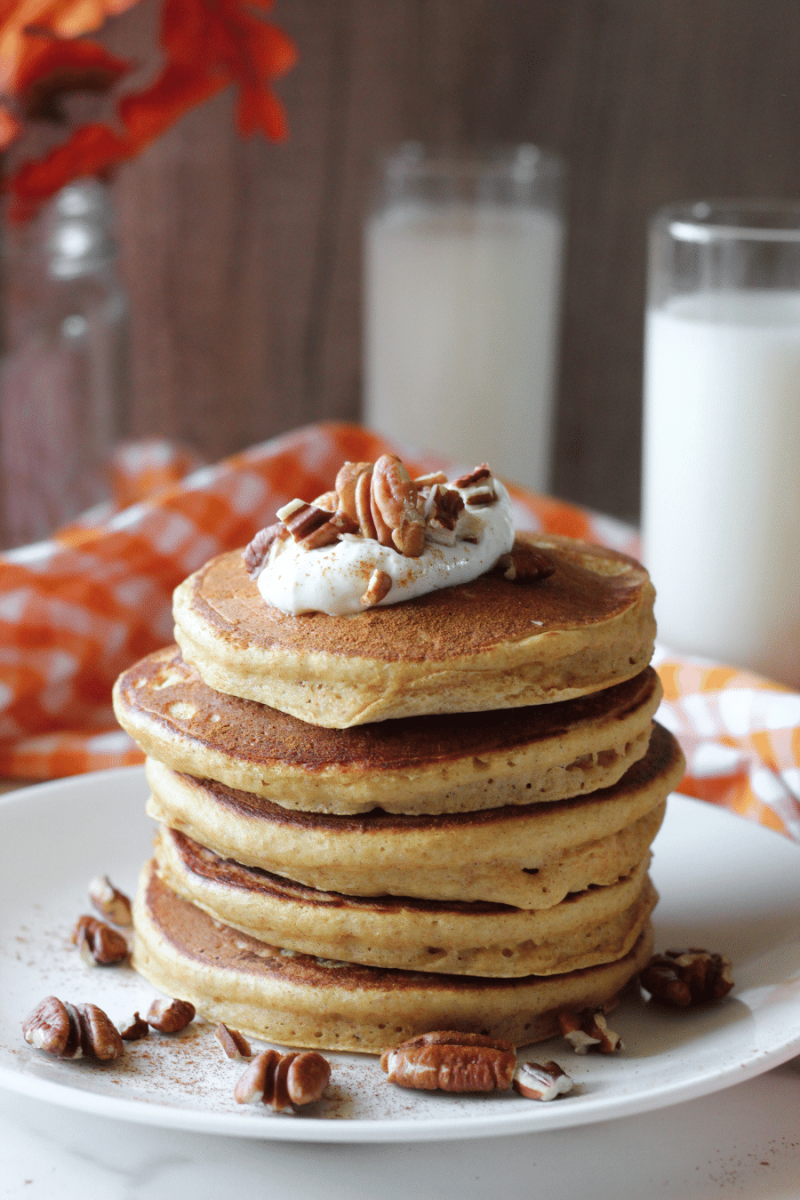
column 516, row 160
column 724, row 220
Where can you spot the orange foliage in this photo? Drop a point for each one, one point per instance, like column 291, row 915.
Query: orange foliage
column 207, row 45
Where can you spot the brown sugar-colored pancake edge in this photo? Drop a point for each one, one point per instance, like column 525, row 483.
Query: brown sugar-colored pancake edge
column 510, row 855
column 449, row 762
column 297, row 1000
column 479, row 646
column 594, row 926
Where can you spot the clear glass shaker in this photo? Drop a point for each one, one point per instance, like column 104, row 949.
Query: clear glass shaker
column 64, row 379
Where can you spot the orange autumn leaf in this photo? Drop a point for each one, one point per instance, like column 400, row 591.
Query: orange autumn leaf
column 65, row 18
column 208, row 45
column 54, row 66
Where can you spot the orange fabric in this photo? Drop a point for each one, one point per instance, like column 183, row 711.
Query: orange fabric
column 79, row 608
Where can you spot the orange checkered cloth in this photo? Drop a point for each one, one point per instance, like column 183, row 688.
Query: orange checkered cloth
column 79, row 608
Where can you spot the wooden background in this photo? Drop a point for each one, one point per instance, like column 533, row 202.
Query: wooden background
column 243, row 258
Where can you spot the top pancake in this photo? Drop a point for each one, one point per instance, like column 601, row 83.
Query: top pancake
column 483, row 645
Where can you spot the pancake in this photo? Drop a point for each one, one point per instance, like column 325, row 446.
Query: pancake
column 480, row 646
column 595, row 926
column 529, row 857
column 298, row 1000
column 433, row 764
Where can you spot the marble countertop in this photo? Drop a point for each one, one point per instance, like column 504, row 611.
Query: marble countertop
column 742, row 1142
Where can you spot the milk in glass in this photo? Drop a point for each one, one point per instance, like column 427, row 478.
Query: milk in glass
column 721, row 487
column 461, row 331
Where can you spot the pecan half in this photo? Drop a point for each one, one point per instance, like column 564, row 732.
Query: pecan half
column 72, row 1031
column 398, row 521
column 256, row 553
column 283, row 1081
column 170, row 1016
column 589, row 1031
column 451, row 1062
column 541, row 1081
column 233, row 1043
column 346, row 485
column 526, row 564
column 683, row 978
column 98, row 943
column 110, row 901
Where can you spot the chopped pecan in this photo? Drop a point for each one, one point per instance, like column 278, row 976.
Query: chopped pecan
column 442, row 510
column 430, row 480
column 398, row 521
column 588, row 1031
column 283, row 1081
column 110, row 901
column 682, row 978
column 98, row 943
column 134, row 1028
column 72, row 1031
column 378, row 588
column 234, row 1044
column 477, row 475
column 526, row 564
column 328, row 500
column 170, row 1016
column 482, row 498
column 451, row 1062
column 256, row 553
column 541, row 1081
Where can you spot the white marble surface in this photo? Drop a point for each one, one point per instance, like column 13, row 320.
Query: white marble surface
column 743, row 1142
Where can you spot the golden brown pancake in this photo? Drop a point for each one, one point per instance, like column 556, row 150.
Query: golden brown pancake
column 595, row 926
column 433, row 764
column 298, row 1000
column 530, row 857
column 483, row 645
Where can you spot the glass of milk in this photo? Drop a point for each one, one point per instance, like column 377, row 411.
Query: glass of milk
column 462, row 282
column 721, row 462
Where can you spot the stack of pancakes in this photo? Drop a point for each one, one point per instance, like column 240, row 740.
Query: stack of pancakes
column 430, row 815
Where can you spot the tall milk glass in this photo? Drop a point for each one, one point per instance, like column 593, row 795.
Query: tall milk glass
column 721, row 464
column 462, row 282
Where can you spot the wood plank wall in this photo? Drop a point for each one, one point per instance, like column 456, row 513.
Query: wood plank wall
column 243, row 259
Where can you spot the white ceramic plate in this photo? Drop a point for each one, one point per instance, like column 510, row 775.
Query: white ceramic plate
column 725, row 883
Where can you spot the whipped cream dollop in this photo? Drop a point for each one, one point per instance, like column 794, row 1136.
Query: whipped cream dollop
column 334, row 579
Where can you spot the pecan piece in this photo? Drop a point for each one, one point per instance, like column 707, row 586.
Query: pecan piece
column 482, row 498
column 451, row 1062
column 99, row 944
column 72, row 1031
column 430, row 480
column 378, row 588
column 589, row 1031
column 443, row 509
column 541, row 1081
column 283, row 1081
column 134, row 1028
column 478, row 475
column 256, row 553
column 170, row 1016
column 398, row 521
column 682, row 978
column 526, row 564
column 110, row 901
column 233, row 1043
